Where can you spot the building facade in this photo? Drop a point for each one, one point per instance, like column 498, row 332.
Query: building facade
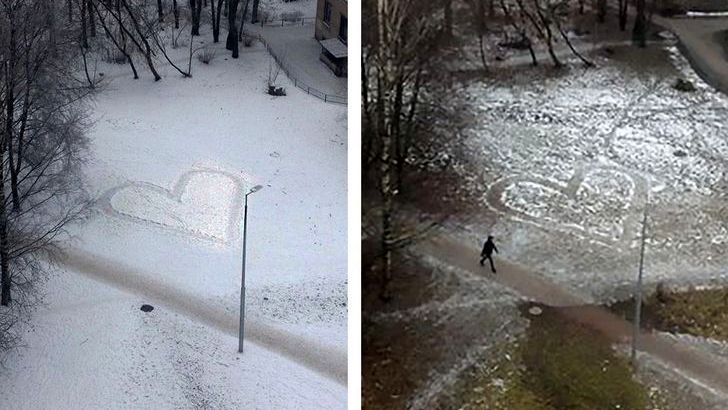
column 331, row 31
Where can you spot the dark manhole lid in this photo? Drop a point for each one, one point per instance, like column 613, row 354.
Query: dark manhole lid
column 147, row 308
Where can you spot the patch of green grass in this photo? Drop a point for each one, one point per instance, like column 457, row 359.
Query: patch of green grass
column 556, row 365
column 697, row 312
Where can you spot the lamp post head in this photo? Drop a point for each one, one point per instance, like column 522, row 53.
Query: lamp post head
column 254, row 189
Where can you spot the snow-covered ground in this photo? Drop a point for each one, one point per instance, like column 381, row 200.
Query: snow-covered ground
column 170, row 162
column 306, row 8
column 565, row 163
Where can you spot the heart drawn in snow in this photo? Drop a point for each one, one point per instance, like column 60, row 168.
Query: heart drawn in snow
column 597, row 202
column 204, row 204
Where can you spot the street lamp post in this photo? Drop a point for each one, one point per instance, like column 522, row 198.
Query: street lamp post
column 241, row 334
column 638, row 291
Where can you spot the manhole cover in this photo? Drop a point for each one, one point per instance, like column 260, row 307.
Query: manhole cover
column 147, row 308
column 535, row 310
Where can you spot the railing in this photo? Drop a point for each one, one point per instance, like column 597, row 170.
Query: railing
column 292, row 21
column 329, row 98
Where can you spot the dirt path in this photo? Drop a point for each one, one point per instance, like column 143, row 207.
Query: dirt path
column 688, row 362
column 326, row 360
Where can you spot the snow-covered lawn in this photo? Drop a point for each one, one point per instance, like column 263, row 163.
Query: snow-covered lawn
column 307, row 8
column 565, row 163
column 170, row 161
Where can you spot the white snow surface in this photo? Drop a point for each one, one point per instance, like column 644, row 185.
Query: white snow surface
column 565, row 163
column 169, row 163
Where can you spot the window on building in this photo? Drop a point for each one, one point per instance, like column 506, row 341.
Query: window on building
column 327, row 13
column 342, row 28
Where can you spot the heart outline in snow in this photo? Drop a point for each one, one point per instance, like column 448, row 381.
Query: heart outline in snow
column 140, row 192
column 497, row 192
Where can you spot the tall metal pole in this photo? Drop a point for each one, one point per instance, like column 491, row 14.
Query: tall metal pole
column 638, row 292
column 241, row 335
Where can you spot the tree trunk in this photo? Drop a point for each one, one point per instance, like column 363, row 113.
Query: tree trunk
column 215, row 24
column 84, row 37
column 70, row 11
column 175, row 10
column 121, row 47
column 196, row 10
column 242, row 20
column 549, row 37
column 147, row 49
column 9, row 119
column 91, row 19
column 10, row 97
column 254, row 13
column 448, row 17
column 4, row 251
column 232, row 37
column 386, row 73
column 216, row 16
column 481, row 46
column 639, row 33
column 622, row 6
column 601, row 11
column 160, row 13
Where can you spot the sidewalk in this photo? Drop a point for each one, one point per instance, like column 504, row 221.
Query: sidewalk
column 700, row 42
column 683, row 359
column 296, row 46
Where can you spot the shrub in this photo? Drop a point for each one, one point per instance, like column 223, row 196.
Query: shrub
column 273, row 71
column 684, row 85
column 116, row 57
column 206, row 55
column 248, row 40
column 276, row 91
column 266, row 16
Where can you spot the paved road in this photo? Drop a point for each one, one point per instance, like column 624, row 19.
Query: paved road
column 683, row 359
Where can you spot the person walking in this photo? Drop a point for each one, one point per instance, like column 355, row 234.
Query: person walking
column 487, row 253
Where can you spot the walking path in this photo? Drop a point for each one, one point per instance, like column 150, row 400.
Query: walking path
column 704, row 42
column 687, row 361
column 327, row 360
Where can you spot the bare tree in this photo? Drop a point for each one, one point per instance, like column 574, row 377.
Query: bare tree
column 395, row 59
column 91, row 19
column 139, row 37
column 216, row 19
column 481, row 27
column 254, row 13
column 601, row 11
column 521, row 30
column 84, row 35
column 232, row 37
column 42, row 141
column 447, row 11
column 175, row 11
column 242, row 20
column 119, row 44
column 196, row 10
column 622, row 6
column 160, row 11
